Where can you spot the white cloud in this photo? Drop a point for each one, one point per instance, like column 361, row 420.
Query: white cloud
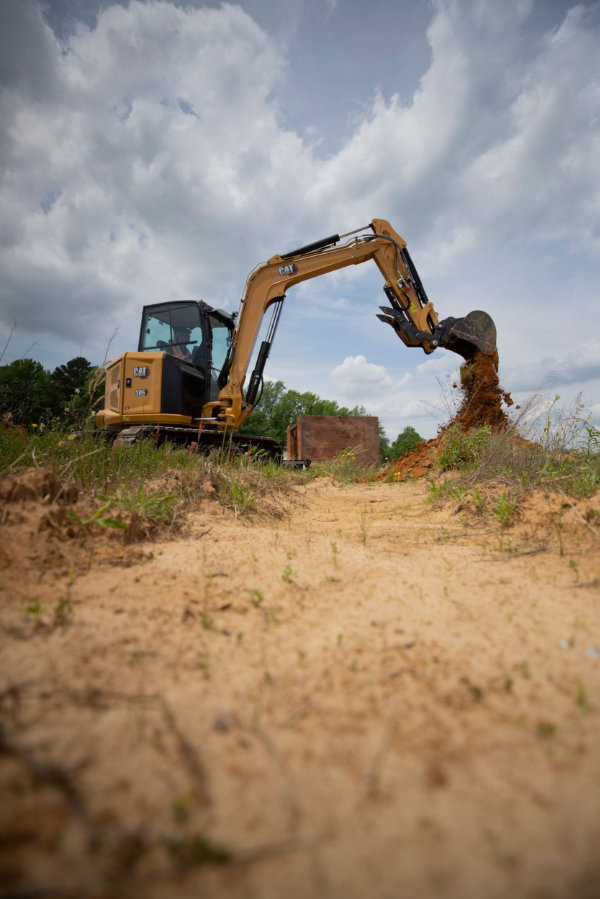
column 132, row 179
column 498, row 142
column 145, row 159
column 357, row 377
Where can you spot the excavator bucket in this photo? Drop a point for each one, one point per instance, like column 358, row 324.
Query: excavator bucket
column 476, row 331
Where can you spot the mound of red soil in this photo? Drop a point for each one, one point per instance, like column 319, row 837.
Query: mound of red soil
column 482, row 403
column 415, row 464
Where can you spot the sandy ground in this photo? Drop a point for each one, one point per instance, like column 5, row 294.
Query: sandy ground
column 365, row 696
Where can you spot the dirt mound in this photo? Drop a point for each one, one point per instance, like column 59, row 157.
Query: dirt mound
column 482, row 403
column 416, row 463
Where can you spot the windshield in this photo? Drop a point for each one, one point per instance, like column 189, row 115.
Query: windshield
column 171, row 328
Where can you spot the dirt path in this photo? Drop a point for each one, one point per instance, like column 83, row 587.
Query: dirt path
column 366, row 697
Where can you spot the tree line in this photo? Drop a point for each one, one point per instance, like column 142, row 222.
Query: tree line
column 31, row 397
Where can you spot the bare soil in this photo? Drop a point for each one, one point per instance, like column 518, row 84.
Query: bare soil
column 357, row 694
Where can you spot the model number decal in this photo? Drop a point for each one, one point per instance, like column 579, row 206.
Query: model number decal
column 141, row 392
column 288, row 269
column 141, row 371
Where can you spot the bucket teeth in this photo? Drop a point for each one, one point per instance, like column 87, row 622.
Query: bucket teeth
column 388, row 315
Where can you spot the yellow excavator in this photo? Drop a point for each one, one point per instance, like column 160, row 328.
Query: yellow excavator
column 186, row 382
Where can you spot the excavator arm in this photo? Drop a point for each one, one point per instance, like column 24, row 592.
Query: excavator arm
column 410, row 313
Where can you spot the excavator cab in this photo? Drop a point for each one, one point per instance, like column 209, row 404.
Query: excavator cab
column 194, row 333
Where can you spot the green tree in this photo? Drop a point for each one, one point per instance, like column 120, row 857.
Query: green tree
column 75, row 389
column 25, row 392
column 280, row 407
column 384, row 446
column 404, row 442
column 68, row 379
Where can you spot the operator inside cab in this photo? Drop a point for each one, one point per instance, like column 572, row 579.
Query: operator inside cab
column 179, row 346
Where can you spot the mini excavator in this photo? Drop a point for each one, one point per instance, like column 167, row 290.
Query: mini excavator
column 187, row 381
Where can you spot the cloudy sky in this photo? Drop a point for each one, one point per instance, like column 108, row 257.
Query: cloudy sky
column 157, row 149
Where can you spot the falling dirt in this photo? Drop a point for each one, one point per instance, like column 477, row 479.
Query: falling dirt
column 483, row 398
column 362, row 696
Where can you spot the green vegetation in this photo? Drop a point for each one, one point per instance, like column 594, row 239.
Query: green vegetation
column 404, row 443
column 33, row 398
column 497, row 468
column 279, row 407
column 463, row 449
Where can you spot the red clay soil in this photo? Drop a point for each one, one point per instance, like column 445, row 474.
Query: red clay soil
column 483, row 397
column 481, row 404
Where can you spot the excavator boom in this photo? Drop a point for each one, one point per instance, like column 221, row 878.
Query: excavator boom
column 410, row 313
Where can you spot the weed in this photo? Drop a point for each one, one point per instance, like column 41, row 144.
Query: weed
column 524, row 669
column 287, row 574
column 504, row 510
column 197, row 850
column 437, row 492
column 100, row 517
column 237, row 496
column 334, row 553
column 63, row 613
column 545, row 730
column 207, row 622
column 345, row 468
column 153, row 507
column 256, row 597
column 581, row 698
column 476, row 691
column 364, row 526
column 202, row 663
column 462, row 449
column 479, row 499
column 34, row 610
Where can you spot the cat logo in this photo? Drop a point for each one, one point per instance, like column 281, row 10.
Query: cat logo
column 141, row 371
column 288, row 269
